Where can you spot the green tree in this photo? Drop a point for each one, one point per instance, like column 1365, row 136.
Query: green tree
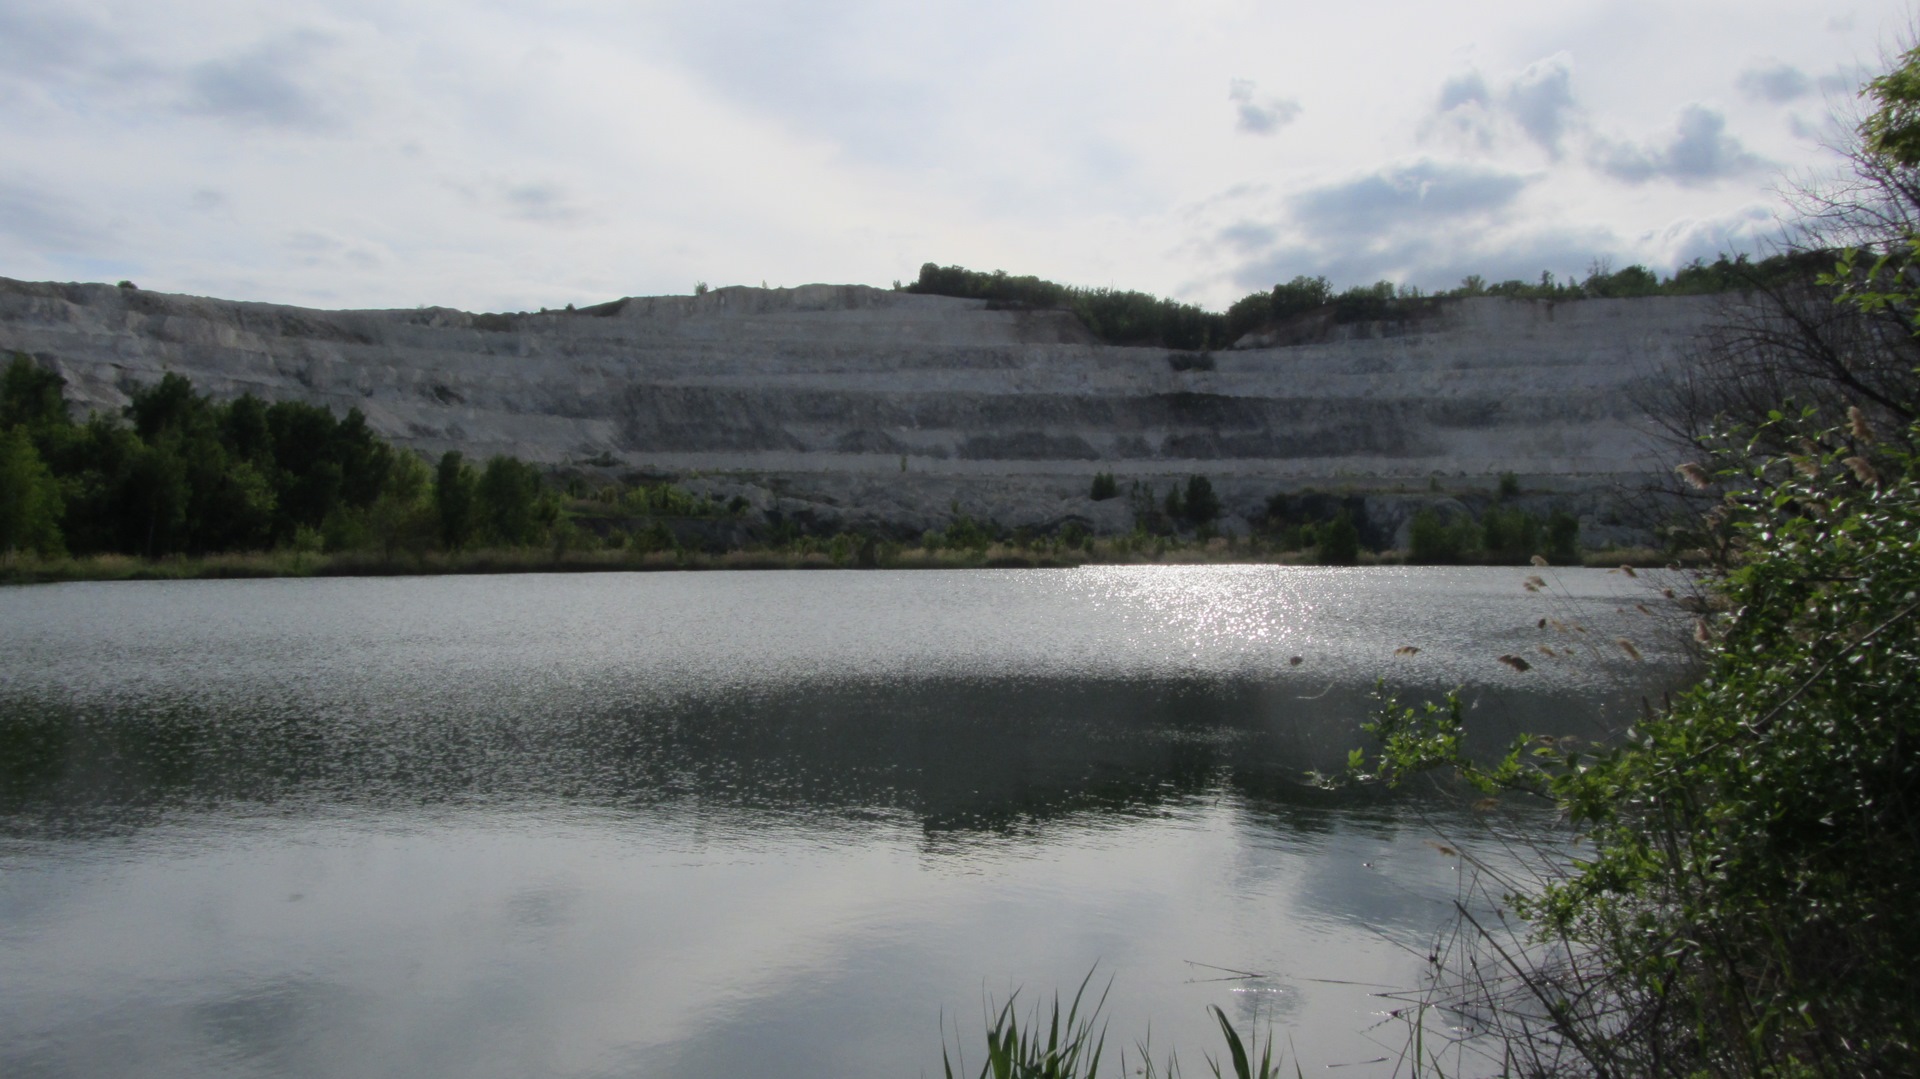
column 30, row 502
column 93, row 464
column 1892, row 130
column 1563, row 538
column 1201, row 505
column 307, row 471
column 403, row 518
column 230, row 502
column 1508, row 534
column 453, row 500
column 31, row 396
column 1434, row 539
column 150, row 500
column 245, row 431
column 506, row 502
column 1339, row 541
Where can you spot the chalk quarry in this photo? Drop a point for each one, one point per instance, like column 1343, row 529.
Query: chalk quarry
column 848, row 406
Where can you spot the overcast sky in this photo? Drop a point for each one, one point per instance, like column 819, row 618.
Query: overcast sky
column 504, row 155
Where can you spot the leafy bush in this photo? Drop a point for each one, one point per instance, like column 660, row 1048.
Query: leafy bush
column 671, row 500
column 1563, row 538
column 1339, row 541
column 1297, row 297
column 1745, row 908
column 1509, row 535
column 969, row 534
column 1104, row 487
column 1436, row 540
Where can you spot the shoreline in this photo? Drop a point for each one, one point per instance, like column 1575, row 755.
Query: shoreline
column 23, row 569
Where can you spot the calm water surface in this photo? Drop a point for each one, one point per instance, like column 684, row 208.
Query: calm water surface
column 737, row 824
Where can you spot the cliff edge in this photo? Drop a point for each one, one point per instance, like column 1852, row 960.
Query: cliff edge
column 899, row 405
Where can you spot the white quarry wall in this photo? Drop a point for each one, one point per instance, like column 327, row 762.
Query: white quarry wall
column 838, row 382
column 845, row 378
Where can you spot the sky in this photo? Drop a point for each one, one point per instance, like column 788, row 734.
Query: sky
column 500, row 155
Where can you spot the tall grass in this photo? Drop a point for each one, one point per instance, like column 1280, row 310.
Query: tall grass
column 1071, row 1047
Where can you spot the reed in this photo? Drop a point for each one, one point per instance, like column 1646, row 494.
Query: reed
column 1072, row 1047
column 1070, row 1050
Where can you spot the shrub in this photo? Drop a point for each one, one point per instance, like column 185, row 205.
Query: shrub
column 1744, row 908
column 1434, row 540
column 967, row 533
column 1104, row 487
column 1201, row 505
column 1563, row 537
column 1339, row 541
column 1509, row 535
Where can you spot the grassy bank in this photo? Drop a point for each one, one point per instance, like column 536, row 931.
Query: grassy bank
column 28, row 568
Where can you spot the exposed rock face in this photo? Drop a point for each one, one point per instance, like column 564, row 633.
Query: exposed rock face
column 884, row 406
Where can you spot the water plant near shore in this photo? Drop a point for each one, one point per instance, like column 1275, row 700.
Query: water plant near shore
column 1073, row 1047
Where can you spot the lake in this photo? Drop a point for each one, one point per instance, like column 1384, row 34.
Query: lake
column 750, row 823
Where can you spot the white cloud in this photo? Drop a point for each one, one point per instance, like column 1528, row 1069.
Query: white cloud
column 1263, row 116
column 42, row 220
column 515, row 155
column 1535, row 104
column 1541, row 100
column 1775, row 83
column 1754, row 229
column 260, row 86
column 1700, row 151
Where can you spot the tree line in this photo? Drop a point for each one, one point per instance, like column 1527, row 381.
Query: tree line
column 179, row 473
column 1126, row 317
column 1115, row 316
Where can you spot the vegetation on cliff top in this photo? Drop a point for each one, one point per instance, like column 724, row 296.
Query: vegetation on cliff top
column 1125, row 317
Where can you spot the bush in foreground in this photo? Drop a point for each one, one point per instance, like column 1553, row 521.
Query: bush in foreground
column 1745, row 906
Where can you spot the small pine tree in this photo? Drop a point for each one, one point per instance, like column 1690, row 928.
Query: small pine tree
column 1339, row 541
column 1202, row 505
